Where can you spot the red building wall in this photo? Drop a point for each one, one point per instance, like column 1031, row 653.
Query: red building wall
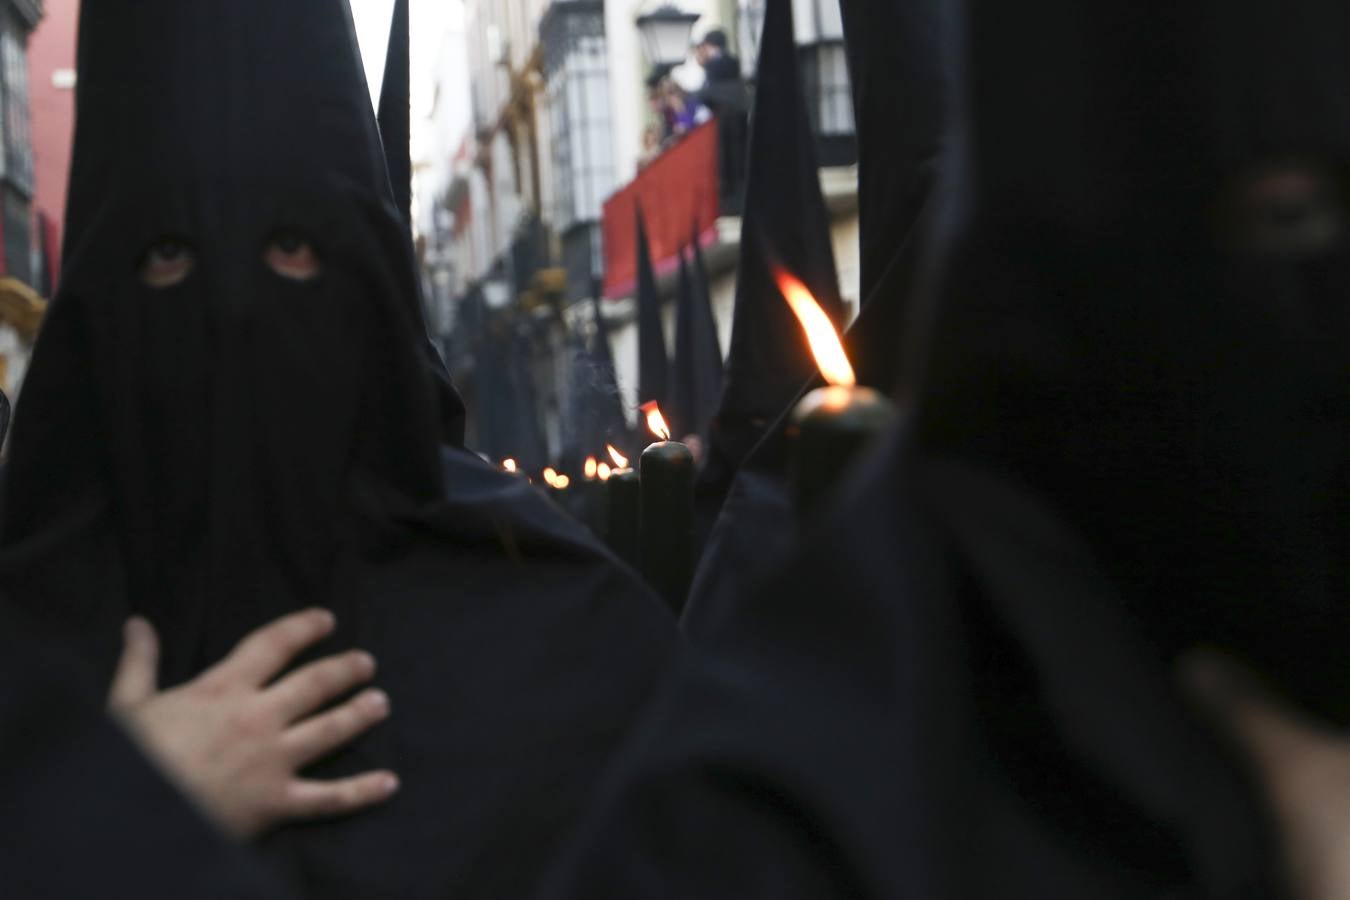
column 51, row 64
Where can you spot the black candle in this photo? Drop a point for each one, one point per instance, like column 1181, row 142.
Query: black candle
column 833, row 427
column 623, row 516
column 668, row 520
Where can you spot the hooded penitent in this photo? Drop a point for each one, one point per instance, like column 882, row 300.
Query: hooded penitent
column 234, row 412
column 653, row 363
column 786, row 225
column 697, row 371
column 1131, row 441
column 1146, row 325
column 907, row 123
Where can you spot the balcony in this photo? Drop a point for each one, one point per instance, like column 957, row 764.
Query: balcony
column 682, row 193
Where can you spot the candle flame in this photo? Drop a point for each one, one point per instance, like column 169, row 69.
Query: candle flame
column 620, row 461
column 820, row 334
column 550, row 476
column 562, row 483
column 590, row 468
column 603, row 471
column 656, row 422
column 510, row 465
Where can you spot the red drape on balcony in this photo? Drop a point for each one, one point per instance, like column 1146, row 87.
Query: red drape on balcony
column 679, row 193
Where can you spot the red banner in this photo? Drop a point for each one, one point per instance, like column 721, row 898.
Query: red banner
column 679, row 194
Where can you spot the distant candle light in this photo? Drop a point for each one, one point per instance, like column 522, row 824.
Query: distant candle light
column 510, row 465
column 603, row 471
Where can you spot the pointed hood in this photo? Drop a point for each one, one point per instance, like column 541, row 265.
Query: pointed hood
column 901, row 66
column 237, row 351
column 395, row 117
column 698, row 357
column 905, row 62
column 653, row 363
column 785, row 224
column 1146, row 321
column 610, row 423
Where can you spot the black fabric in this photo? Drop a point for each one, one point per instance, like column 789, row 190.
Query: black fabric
column 785, row 227
column 698, row 356
column 940, row 697
column 1145, row 321
column 395, row 115
column 85, row 815
column 901, row 67
column 914, row 182
column 611, row 425
column 220, row 452
column 653, row 363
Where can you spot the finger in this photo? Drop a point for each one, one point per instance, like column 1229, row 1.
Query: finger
column 324, row 799
column 137, row 670
column 319, row 736
column 318, row 684
column 266, row 652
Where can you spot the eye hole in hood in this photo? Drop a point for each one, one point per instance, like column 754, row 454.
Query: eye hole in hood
column 291, row 256
column 167, row 263
column 1287, row 210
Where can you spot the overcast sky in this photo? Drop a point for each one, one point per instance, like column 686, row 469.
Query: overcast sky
column 430, row 19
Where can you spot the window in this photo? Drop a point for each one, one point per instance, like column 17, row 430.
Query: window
column 828, row 93
column 18, row 142
column 577, row 72
column 823, row 64
column 18, row 237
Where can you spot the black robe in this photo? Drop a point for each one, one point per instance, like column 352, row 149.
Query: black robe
column 221, row 451
column 939, row 697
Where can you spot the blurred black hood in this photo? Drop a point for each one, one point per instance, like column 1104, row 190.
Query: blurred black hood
column 225, row 420
column 1145, row 321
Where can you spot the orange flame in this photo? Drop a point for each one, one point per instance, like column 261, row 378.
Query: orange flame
column 510, row 465
column 656, row 422
column 603, row 471
column 820, row 334
column 562, row 483
column 620, row 461
column 591, row 467
column 550, row 476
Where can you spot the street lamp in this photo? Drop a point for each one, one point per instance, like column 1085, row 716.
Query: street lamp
column 665, row 34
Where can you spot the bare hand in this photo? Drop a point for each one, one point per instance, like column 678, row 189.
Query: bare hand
column 1305, row 768
column 234, row 742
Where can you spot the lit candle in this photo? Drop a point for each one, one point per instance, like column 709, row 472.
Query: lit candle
column 623, row 511
column 667, row 471
column 511, row 467
column 835, row 424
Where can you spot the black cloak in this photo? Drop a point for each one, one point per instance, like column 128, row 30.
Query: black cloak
column 220, row 451
column 1130, row 441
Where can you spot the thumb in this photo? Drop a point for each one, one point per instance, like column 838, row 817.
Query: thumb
column 137, row 670
column 1271, row 732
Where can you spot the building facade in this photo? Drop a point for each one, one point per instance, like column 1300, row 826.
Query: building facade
column 559, row 109
column 27, row 242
